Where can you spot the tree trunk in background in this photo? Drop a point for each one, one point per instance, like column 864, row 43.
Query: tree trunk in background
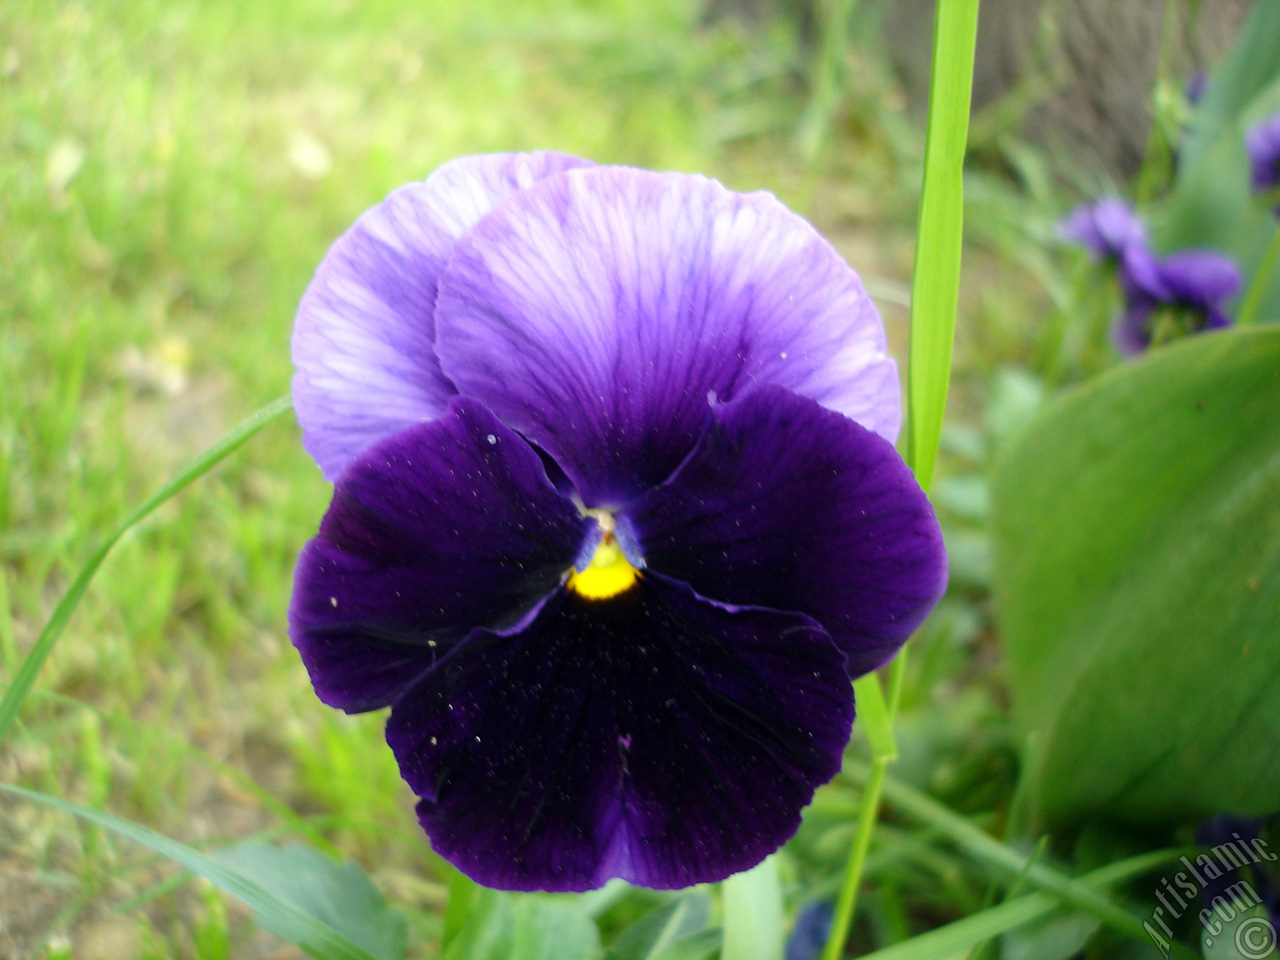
column 1097, row 60
column 1088, row 66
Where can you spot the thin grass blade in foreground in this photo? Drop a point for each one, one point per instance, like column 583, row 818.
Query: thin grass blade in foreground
column 298, row 927
column 935, row 292
column 16, row 695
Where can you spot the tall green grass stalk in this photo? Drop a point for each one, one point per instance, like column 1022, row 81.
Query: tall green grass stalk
column 935, row 292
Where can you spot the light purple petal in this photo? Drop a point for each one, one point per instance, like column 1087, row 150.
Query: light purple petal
column 599, row 311
column 787, row 505
column 363, row 338
column 1106, row 229
column 653, row 736
column 438, row 529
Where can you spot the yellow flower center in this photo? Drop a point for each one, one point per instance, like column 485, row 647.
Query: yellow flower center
column 609, row 573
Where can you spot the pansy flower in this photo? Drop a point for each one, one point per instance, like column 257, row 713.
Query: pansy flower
column 1262, row 143
column 1171, row 297
column 616, row 515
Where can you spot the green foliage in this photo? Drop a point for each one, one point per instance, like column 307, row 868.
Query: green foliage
column 296, row 922
column 660, row 933
column 339, row 894
column 17, row 691
column 953, row 939
column 522, row 926
column 1137, row 549
column 753, row 920
column 1211, row 204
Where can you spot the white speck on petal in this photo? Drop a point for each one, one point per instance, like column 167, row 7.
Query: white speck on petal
column 492, row 439
column 333, row 601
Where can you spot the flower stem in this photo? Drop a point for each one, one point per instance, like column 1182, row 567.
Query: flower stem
column 848, row 899
column 1258, row 285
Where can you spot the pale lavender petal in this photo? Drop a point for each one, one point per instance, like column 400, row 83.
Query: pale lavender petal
column 601, row 311
column 363, row 340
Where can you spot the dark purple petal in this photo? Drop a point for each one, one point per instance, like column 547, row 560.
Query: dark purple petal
column 441, row 528
column 1262, row 143
column 1194, row 283
column 1130, row 332
column 787, row 505
column 1200, row 277
column 1106, row 229
column 653, row 736
column 364, row 334
column 598, row 312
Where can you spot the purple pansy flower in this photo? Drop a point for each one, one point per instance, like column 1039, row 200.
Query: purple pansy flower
column 1173, row 296
column 1109, row 229
column 1262, row 143
column 617, row 513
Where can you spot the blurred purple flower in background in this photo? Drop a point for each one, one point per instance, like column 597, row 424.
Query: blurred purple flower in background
column 1197, row 83
column 1170, row 297
column 1262, row 143
column 1109, row 229
column 617, row 513
column 811, row 930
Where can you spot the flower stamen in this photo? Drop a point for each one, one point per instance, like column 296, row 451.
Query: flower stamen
column 608, row 574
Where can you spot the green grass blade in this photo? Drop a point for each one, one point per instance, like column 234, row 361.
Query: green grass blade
column 298, row 927
column 985, row 847
column 935, row 286
column 951, row 940
column 25, row 678
column 935, row 293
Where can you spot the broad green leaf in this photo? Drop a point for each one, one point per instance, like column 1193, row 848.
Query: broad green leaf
column 339, row 894
column 1136, row 528
column 289, row 921
column 16, row 694
column 652, row 934
column 753, row 927
column 520, row 926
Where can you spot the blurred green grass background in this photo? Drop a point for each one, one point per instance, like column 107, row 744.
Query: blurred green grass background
column 170, row 175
